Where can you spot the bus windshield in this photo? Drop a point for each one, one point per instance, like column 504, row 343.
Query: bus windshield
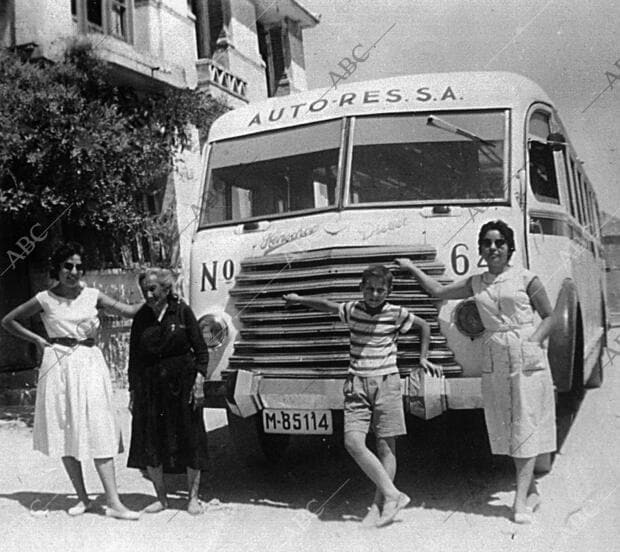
column 273, row 174
column 415, row 158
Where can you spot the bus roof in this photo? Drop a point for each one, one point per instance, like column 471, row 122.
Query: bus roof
column 425, row 92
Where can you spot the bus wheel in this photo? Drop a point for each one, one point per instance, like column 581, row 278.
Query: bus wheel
column 564, row 350
column 570, row 401
column 251, row 443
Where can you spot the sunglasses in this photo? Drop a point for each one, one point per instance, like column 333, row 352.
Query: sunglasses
column 70, row 266
column 486, row 242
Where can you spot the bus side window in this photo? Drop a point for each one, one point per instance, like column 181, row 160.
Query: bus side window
column 578, row 201
column 562, row 171
column 582, row 200
column 592, row 220
column 597, row 216
column 542, row 173
column 572, row 188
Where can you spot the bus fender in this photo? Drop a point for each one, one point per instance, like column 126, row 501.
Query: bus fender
column 562, row 339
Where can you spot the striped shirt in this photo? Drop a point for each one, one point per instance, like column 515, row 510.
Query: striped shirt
column 373, row 337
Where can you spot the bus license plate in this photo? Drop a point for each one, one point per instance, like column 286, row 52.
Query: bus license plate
column 308, row 422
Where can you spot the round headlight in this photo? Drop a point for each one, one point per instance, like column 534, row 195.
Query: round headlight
column 214, row 330
column 467, row 319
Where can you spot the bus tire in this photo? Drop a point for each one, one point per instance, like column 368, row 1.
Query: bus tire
column 572, row 398
column 563, row 338
column 252, row 444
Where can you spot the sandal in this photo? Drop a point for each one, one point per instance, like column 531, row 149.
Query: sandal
column 391, row 508
column 533, row 501
column 372, row 517
column 128, row 515
column 80, row 508
column 523, row 518
column 198, row 511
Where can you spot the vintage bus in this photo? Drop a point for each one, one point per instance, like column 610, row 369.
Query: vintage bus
column 301, row 193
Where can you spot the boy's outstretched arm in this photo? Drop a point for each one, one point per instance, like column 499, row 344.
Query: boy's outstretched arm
column 317, row 303
column 425, row 337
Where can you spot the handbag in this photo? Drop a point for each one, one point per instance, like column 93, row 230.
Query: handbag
column 426, row 394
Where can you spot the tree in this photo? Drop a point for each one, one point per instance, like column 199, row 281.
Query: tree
column 74, row 143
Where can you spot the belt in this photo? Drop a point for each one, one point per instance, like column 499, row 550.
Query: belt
column 502, row 328
column 72, row 342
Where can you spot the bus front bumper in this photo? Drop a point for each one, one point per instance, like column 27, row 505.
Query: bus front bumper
column 253, row 393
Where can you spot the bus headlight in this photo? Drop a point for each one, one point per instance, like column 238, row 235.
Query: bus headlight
column 467, row 319
column 214, row 330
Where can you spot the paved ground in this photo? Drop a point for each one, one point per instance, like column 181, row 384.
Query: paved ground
column 313, row 500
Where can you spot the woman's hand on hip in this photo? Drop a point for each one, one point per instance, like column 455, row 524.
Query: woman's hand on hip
column 41, row 343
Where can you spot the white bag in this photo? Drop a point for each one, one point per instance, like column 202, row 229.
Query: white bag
column 426, row 394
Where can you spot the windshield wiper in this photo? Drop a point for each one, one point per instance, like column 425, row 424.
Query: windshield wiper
column 445, row 125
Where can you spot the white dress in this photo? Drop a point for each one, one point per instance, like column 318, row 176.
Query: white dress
column 517, row 388
column 74, row 413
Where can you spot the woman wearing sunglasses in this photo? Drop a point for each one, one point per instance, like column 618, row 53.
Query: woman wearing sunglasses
column 517, row 389
column 74, row 417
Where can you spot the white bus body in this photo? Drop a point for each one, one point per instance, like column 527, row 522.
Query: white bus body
column 302, row 192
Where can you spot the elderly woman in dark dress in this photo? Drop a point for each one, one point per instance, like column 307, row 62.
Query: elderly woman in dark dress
column 167, row 363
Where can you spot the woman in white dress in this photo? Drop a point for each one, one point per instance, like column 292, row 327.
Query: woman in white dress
column 74, row 417
column 517, row 388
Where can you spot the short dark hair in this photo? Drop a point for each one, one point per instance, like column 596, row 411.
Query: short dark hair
column 377, row 271
column 503, row 229
column 62, row 253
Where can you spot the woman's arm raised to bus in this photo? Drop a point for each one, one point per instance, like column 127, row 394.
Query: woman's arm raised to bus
column 457, row 290
column 317, row 303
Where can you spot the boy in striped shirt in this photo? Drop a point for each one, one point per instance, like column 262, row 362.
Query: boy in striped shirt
column 372, row 393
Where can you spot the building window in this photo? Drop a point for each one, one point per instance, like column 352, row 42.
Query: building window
column 211, row 33
column 111, row 17
column 272, row 50
column 216, row 24
column 118, row 18
column 94, row 15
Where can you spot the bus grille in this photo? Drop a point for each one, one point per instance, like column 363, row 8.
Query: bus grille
column 295, row 341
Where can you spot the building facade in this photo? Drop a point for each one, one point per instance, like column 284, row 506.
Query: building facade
column 237, row 50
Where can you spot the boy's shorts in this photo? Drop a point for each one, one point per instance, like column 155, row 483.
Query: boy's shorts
column 375, row 400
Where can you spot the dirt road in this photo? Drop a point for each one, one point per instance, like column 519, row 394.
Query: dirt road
column 314, row 499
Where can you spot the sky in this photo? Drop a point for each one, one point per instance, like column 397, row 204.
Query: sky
column 566, row 46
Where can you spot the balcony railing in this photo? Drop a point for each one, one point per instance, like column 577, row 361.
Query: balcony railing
column 210, row 72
